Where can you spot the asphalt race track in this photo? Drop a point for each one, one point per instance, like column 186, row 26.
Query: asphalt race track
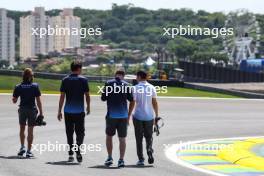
column 185, row 120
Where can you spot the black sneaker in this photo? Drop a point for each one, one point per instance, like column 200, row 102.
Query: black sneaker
column 121, row 163
column 150, row 157
column 29, row 154
column 21, row 152
column 109, row 161
column 79, row 158
column 71, row 158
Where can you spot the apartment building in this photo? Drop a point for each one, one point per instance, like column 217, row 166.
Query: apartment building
column 67, row 21
column 33, row 45
column 7, row 38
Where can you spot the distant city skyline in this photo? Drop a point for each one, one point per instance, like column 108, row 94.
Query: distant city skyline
column 256, row 6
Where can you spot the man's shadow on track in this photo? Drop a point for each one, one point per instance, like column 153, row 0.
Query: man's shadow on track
column 62, row 163
column 140, row 167
column 13, row 157
column 115, row 167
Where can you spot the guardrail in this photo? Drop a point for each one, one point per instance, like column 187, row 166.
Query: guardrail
column 172, row 83
column 56, row 76
column 238, row 93
column 197, row 72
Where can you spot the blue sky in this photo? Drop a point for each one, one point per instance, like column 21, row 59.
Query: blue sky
column 256, row 6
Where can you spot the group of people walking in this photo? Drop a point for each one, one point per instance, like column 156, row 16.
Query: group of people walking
column 142, row 110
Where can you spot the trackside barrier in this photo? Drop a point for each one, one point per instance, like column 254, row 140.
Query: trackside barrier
column 170, row 83
column 225, row 91
column 57, row 76
column 197, row 72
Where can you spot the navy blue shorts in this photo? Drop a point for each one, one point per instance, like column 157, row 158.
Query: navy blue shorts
column 119, row 125
column 27, row 116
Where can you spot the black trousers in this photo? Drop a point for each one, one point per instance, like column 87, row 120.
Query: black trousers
column 75, row 123
column 143, row 129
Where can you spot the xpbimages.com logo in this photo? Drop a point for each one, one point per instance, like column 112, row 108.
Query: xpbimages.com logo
column 62, row 31
column 148, row 91
column 188, row 146
column 61, row 147
column 197, row 31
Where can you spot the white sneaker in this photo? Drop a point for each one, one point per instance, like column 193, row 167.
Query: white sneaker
column 29, row 154
column 21, row 152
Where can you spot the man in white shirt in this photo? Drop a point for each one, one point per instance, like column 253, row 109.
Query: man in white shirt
column 146, row 111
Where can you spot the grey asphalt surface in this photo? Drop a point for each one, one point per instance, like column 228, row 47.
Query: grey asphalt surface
column 186, row 120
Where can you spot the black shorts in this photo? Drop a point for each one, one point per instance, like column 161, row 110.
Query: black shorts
column 27, row 116
column 119, row 125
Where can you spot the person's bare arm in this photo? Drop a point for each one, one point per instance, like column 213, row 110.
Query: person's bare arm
column 130, row 110
column 39, row 104
column 155, row 106
column 103, row 94
column 61, row 102
column 88, row 101
column 15, row 95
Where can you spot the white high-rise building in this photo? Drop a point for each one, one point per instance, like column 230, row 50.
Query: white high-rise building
column 32, row 44
column 7, row 38
column 66, row 21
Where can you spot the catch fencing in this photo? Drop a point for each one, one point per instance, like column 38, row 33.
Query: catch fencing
column 197, row 72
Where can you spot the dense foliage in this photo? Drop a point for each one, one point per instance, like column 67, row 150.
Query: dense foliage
column 138, row 28
column 132, row 27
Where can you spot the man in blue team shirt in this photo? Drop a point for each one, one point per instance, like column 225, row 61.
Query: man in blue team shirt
column 116, row 92
column 74, row 87
column 29, row 93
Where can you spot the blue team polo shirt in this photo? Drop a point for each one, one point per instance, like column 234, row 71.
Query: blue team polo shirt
column 117, row 102
column 74, row 86
column 27, row 92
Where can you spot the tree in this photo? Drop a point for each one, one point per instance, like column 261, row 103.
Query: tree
column 4, row 63
column 182, row 47
column 206, row 57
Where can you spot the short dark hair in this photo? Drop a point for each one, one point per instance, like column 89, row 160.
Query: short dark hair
column 75, row 65
column 142, row 74
column 120, row 72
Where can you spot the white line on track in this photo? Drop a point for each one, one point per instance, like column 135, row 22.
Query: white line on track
column 171, row 154
column 170, row 97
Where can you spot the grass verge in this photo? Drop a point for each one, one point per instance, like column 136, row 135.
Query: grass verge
column 49, row 86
